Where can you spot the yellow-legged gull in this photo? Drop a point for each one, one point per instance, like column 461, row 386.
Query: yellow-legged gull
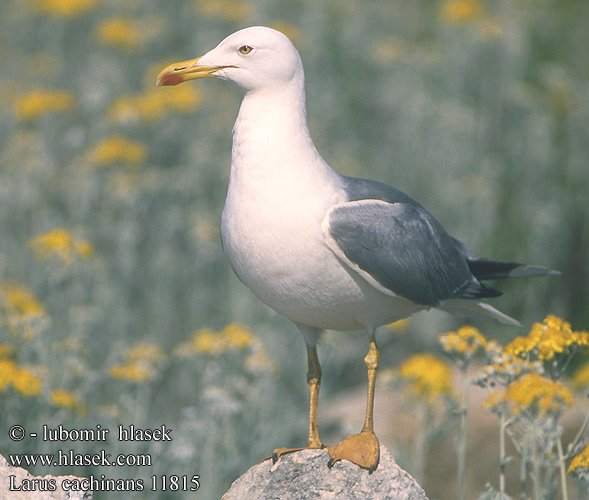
column 325, row 250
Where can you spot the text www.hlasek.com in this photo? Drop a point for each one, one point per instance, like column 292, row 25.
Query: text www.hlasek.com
column 69, row 458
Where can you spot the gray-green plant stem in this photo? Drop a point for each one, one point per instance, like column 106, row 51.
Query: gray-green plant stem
column 462, row 436
column 536, row 474
column 502, row 457
column 522, row 478
column 563, row 474
column 573, row 445
column 420, row 443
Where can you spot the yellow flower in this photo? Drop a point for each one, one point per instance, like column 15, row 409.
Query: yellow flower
column 143, row 361
column 552, row 337
column 118, row 149
column 520, row 346
column 231, row 10
column 131, row 372
column 581, row 461
column 21, row 312
column 55, row 242
column 208, row 341
column 426, row 377
column 130, row 34
column 503, row 369
column 464, row 343
column 460, row 11
column 61, row 244
column 27, row 383
column 17, row 301
column 65, row 399
column 234, row 336
column 154, row 104
column 537, row 395
column 119, row 32
column 22, row 379
column 84, row 249
column 6, row 368
column 143, row 351
column 237, row 336
column 36, row 103
column 494, row 402
column 64, row 8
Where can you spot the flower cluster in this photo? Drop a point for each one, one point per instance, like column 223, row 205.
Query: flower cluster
column 16, row 300
column 120, row 33
column 235, row 337
column 20, row 378
column 463, row 344
column 32, row 105
column 118, row 149
column 153, row 104
column 207, row 341
column 61, row 244
column 502, row 368
column 534, row 394
column 579, row 466
column 64, row 8
column 20, row 310
column 547, row 340
column 142, row 363
column 426, row 377
column 66, row 399
column 129, row 34
column 460, row 11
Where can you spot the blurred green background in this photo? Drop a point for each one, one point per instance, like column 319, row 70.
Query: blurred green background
column 111, row 193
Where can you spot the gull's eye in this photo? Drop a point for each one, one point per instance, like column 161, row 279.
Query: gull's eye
column 245, row 49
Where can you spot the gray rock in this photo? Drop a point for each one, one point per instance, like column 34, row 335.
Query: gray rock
column 22, row 479
column 305, row 475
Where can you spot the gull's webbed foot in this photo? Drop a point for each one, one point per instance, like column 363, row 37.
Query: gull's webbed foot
column 362, row 449
column 278, row 452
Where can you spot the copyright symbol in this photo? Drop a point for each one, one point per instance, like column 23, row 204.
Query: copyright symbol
column 16, row 432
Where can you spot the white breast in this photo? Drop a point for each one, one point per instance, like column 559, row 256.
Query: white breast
column 280, row 190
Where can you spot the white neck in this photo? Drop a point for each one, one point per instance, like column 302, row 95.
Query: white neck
column 273, row 155
column 272, row 125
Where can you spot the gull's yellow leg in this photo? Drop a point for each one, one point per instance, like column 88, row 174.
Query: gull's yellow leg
column 314, row 381
column 362, row 449
column 371, row 361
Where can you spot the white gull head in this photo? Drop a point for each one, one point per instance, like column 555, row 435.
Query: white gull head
column 255, row 58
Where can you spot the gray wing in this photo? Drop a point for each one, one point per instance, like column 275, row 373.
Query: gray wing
column 483, row 269
column 401, row 249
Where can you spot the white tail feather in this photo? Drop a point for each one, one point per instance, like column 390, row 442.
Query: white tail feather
column 467, row 307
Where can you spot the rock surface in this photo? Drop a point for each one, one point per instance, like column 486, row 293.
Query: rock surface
column 305, row 475
column 23, row 480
